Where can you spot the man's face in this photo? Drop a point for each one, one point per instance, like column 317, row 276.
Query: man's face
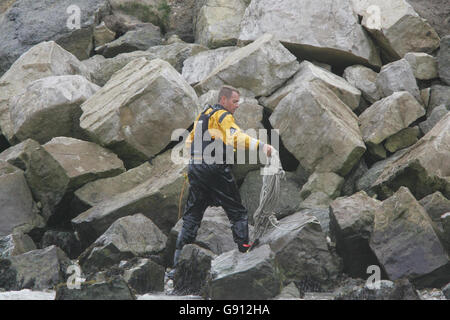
column 232, row 103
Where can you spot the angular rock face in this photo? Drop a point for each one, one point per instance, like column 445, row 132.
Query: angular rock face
column 30, row 22
column 126, row 238
column 146, row 276
column 424, row 66
column 405, row 243
column 310, row 73
column 423, row 168
column 18, row 210
column 135, row 113
column 439, row 95
column 66, row 241
column 435, row 116
column 435, row 12
column 250, row 276
column 398, row 76
column 351, row 222
column 397, row 28
column 320, row 189
column 218, row 22
column 402, row 139
column 388, row 116
column 332, row 36
column 43, row 60
column 443, row 60
column 192, row 270
column 313, row 123
column 435, row 205
column 261, row 67
column 199, row 66
column 157, row 198
column 301, row 250
column 50, row 107
column 38, row 269
column 364, row 79
column 15, row 244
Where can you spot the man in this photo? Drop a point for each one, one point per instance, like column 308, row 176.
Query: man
column 211, row 181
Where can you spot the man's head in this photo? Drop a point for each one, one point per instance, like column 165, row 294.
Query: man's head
column 229, row 98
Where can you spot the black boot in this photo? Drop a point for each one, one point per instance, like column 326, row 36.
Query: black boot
column 176, row 256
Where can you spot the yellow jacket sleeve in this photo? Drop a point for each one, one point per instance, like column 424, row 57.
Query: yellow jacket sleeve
column 234, row 135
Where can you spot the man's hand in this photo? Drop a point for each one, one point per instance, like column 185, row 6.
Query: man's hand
column 268, row 149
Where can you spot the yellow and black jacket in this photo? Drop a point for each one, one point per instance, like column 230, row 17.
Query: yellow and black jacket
column 215, row 122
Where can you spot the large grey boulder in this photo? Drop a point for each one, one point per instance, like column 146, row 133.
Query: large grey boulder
column 402, row 139
column 128, row 237
column 364, row 79
column 43, row 60
column 320, row 189
column 157, row 198
column 18, row 211
column 27, row 23
column 433, row 118
column 15, row 244
column 130, row 111
column 197, row 67
column 351, row 222
column 397, row 76
column 422, row 168
column 405, row 243
column 146, row 276
column 142, row 37
column 396, row 27
column 218, row 22
column 260, row 67
column 424, row 66
column 251, row 276
column 50, row 107
column 443, row 60
column 435, row 12
column 311, row 73
column 439, row 95
column 388, row 116
column 37, row 269
column 301, row 250
column 333, row 36
column 313, row 122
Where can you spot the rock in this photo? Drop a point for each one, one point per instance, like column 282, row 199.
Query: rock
column 249, row 276
column 398, row 76
column 439, row 95
column 310, row 73
column 128, row 237
column 192, row 271
column 289, row 201
column 157, row 198
column 102, row 69
column 446, row 291
column 402, row 139
column 43, row 60
column 50, row 107
column 333, row 36
column 142, row 37
column 435, row 205
column 320, row 189
column 389, row 116
column 445, row 221
column 28, row 23
column 112, row 289
column 443, row 60
column 400, row 289
column 436, row 115
column 301, row 251
column 218, row 23
column 425, row 95
column 146, row 276
column 405, row 243
column 197, row 67
column 261, row 67
column 15, row 244
column 103, row 35
column 66, row 241
column 364, row 79
column 18, row 211
column 396, row 27
column 289, row 292
column 422, row 168
column 350, row 184
column 313, row 122
column 181, row 19
column 100, row 190
column 424, row 66
column 120, row 117
column 37, row 269
column 351, row 221
column 377, row 150
column 176, row 53
column 435, row 12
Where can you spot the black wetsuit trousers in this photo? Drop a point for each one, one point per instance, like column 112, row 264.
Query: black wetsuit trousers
column 212, row 185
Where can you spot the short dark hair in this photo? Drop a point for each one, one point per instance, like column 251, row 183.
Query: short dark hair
column 227, row 91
